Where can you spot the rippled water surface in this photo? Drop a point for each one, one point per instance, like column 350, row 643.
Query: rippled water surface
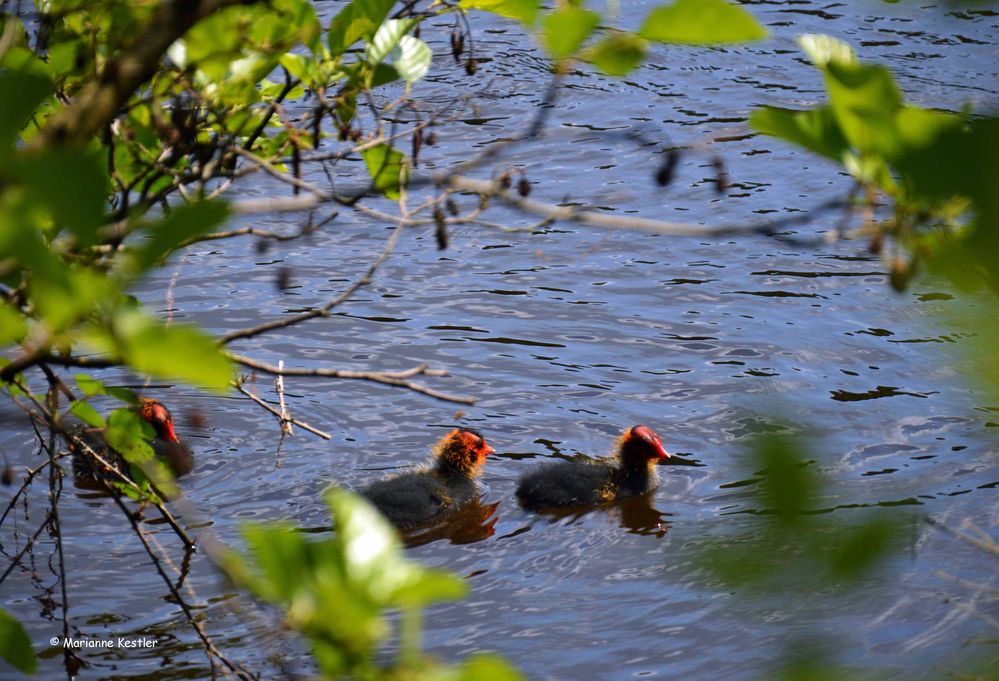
column 566, row 336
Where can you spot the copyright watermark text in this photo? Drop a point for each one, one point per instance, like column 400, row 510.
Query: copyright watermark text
column 115, row 642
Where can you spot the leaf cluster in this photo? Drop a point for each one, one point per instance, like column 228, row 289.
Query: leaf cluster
column 937, row 168
column 338, row 591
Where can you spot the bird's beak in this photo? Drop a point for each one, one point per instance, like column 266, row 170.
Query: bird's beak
column 489, row 450
column 168, row 433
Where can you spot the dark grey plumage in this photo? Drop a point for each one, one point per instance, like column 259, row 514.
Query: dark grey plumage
column 417, row 497
column 629, row 472
column 444, row 484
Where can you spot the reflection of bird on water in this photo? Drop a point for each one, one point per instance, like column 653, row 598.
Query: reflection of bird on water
column 473, row 522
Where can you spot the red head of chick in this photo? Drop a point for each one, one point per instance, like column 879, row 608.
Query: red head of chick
column 155, row 414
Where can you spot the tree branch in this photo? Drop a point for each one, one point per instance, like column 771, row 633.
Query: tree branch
column 281, row 417
column 98, row 102
column 323, row 311
column 394, row 378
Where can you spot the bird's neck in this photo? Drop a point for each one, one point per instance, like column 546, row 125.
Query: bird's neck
column 637, row 476
column 450, row 470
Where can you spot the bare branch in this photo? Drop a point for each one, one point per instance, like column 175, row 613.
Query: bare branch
column 210, row 650
column 301, row 424
column 32, row 472
column 16, row 560
column 493, row 188
column 323, row 311
column 986, row 544
column 393, row 378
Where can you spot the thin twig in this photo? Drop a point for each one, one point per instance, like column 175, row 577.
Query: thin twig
column 394, row 378
column 301, row 424
column 32, row 472
column 210, row 649
column 15, row 560
column 988, row 546
column 279, row 387
column 323, row 311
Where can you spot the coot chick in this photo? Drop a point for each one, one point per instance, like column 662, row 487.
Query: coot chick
column 166, row 445
column 446, row 482
column 629, row 472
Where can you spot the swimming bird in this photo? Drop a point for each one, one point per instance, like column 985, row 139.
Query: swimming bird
column 166, row 445
column 443, row 484
column 630, row 471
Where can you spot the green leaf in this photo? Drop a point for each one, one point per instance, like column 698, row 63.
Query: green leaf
column 701, row 22
column 316, row 584
column 299, row 66
column 824, row 49
column 12, row 324
column 617, row 54
column 485, row 667
column 870, row 169
column 937, row 159
column 346, row 107
column 815, row 129
column 413, row 60
column 23, row 92
column 566, row 29
column 178, row 351
column 524, row 11
column 979, row 147
column 864, row 99
column 360, row 19
column 282, row 555
column 184, row 222
column 298, row 18
column 857, row 550
column 86, row 413
column 388, row 168
column 367, row 541
column 71, row 184
column 373, row 558
column 383, row 74
column 425, row 587
column 787, row 487
column 386, row 38
column 65, row 296
column 60, row 293
column 15, row 646
column 127, row 434
column 91, row 386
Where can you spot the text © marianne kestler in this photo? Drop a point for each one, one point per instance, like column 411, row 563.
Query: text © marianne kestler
column 118, row 642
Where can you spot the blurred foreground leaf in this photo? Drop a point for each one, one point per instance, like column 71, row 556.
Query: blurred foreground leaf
column 15, row 646
column 791, row 543
column 936, row 168
column 335, row 591
column 178, row 351
column 701, row 22
column 524, row 11
column 617, row 54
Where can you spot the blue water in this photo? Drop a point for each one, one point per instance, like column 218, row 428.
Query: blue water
column 569, row 335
